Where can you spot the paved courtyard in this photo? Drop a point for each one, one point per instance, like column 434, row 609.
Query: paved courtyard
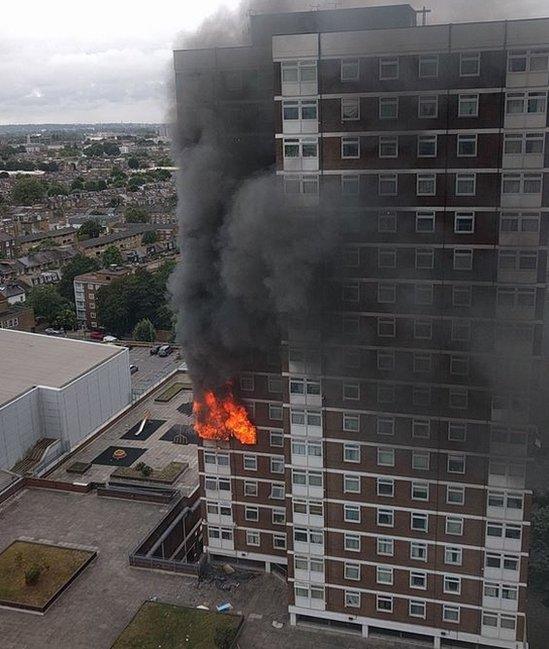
column 152, row 369
column 99, row 604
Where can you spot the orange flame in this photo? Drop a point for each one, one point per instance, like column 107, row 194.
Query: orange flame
column 221, row 417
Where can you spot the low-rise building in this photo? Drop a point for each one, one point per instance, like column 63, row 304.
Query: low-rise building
column 7, row 246
column 85, row 290
column 15, row 316
column 61, row 237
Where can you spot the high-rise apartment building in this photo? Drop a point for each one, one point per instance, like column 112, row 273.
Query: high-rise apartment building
column 389, row 478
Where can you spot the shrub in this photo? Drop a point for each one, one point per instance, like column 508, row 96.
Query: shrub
column 146, row 471
column 32, row 574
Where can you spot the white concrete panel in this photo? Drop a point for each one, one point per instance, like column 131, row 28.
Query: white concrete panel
column 522, row 33
column 295, row 46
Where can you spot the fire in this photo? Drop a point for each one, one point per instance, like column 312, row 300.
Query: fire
column 221, row 417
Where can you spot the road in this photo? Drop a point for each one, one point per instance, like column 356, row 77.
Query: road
column 151, row 368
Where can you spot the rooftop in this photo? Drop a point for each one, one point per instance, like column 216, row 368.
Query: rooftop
column 38, row 236
column 28, row 360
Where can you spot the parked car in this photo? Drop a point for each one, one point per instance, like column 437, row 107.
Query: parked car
column 97, row 335
column 153, row 351
column 50, row 331
column 110, row 339
column 133, row 369
column 165, row 350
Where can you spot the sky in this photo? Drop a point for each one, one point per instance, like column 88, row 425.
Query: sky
column 111, row 62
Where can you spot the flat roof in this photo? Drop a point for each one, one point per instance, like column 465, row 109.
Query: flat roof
column 28, row 360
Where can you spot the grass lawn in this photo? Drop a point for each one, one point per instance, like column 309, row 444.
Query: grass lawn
column 57, row 565
column 167, row 474
column 174, row 627
column 170, row 392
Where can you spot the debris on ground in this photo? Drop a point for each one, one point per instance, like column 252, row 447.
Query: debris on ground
column 277, row 625
column 228, row 569
column 211, row 573
column 224, row 608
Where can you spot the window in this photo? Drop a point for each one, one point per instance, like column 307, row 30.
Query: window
column 351, row 391
column 419, row 522
column 463, row 259
column 420, row 491
column 385, row 360
column 533, row 102
column 352, row 571
column 457, row 431
column 427, row 106
column 421, row 428
column 466, row 184
column 384, row 604
column 459, row 365
column 458, row 398
column 385, row 426
column 469, row 64
column 351, row 484
column 252, row 538
column 454, row 525
column 416, row 609
column 351, row 453
column 527, row 60
column 453, row 556
column 427, row 146
column 351, row 542
column 350, row 109
column 468, row 106
column 276, row 439
column 388, row 68
column 277, row 492
column 388, row 146
column 350, row 69
column 420, row 460
column 250, row 462
column 350, row 184
column 422, row 362
column 250, row 488
column 277, row 465
column 247, row 382
column 450, row 613
column 426, row 184
column 352, row 599
column 425, row 258
column 467, row 146
column 386, row 457
column 388, row 184
column 524, row 143
column 275, row 412
column 384, row 575
column 351, row 513
column 428, row 67
column 385, row 517
column 461, row 296
column 423, row 294
column 418, row 580
column 464, row 222
column 386, row 293
column 275, row 386
column 423, row 329
column 461, row 330
column 385, row 487
column 385, row 546
column 387, row 221
column 386, row 258
column 418, row 551
column 452, row 585
column 456, row 463
column 522, row 183
column 279, row 541
column 388, row 107
column 351, row 423
column 251, row 513
column 425, row 222
column 386, row 328
column 350, row 147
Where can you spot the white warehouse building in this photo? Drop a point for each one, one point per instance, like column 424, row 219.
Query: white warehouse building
column 56, row 388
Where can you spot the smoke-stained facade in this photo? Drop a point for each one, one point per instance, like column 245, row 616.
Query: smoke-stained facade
column 377, row 276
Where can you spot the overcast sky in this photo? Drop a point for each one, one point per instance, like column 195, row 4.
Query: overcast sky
column 109, row 60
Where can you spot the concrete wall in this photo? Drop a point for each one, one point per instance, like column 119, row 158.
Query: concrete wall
column 70, row 413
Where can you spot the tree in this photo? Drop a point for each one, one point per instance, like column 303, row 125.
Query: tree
column 95, row 150
column 134, row 214
column 90, row 229
column 145, row 331
column 28, row 190
column 78, row 265
column 77, row 184
column 133, row 162
column 66, row 318
column 47, row 303
column 149, row 238
column 57, row 189
column 112, row 257
column 110, row 148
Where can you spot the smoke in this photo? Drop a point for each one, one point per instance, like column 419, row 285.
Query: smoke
column 249, row 262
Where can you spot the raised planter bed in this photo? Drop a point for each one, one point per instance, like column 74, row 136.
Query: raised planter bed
column 166, row 475
column 58, row 567
column 170, row 392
